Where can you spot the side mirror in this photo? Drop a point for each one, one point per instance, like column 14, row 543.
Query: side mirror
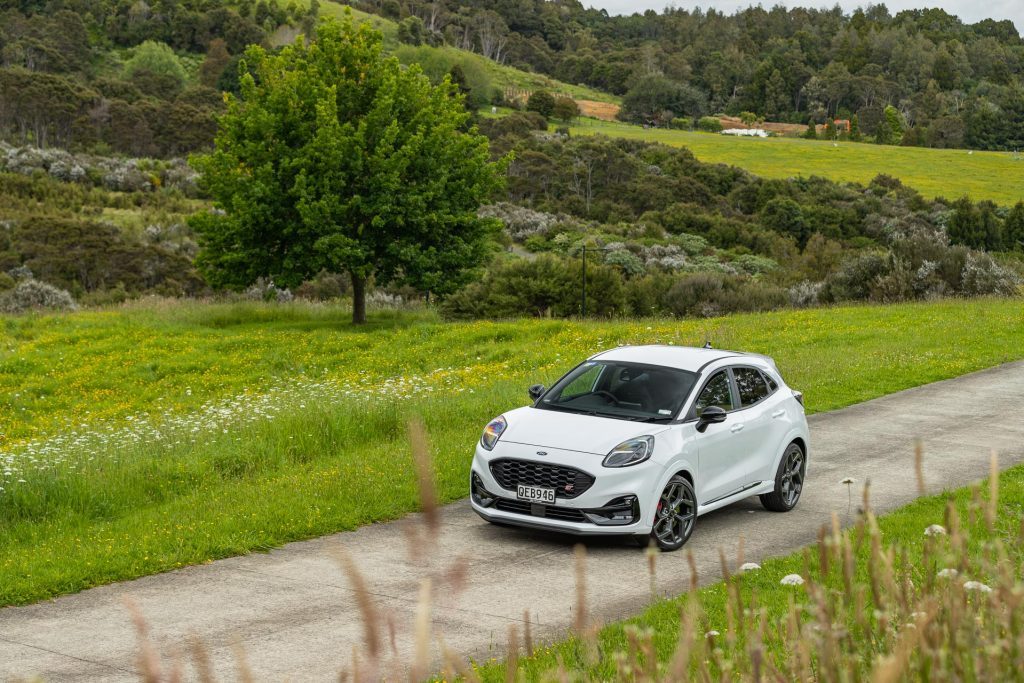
column 536, row 391
column 710, row 416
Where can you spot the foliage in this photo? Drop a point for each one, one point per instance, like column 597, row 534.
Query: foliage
column 335, row 157
column 657, row 100
column 565, row 109
column 709, row 124
column 33, row 295
column 784, row 64
column 542, row 102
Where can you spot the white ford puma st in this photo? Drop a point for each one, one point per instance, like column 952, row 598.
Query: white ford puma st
column 642, row 440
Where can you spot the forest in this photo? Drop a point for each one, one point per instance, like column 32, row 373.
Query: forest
column 951, row 84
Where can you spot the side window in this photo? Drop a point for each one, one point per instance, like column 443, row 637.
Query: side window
column 715, row 393
column 750, row 384
column 772, row 384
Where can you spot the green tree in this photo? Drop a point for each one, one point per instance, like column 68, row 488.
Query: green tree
column 410, row 30
column 1013, row 228
column 652, row 95
column 337, row 158
column 542, row 102
column 566, row 109
column 855, row 135
column 965, row 226
column 812, row 131
column 156, row 58
column 217, row 59
column 890, row 128
column 784, row 216
column 830, row 129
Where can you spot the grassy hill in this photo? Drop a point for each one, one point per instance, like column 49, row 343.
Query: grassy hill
column 438, row 60
column 949, row 173
column 214, row 430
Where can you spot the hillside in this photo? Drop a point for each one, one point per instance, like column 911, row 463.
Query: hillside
column 480, row 71
column 949, row 173
column 917, row 77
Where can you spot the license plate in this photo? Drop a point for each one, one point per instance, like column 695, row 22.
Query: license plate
column 535, row 494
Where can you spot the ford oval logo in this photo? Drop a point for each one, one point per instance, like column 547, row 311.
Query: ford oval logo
column 542, row 452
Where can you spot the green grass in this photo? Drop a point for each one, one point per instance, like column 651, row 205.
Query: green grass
column 123, row 503
column 901, row 530
column 950, row 173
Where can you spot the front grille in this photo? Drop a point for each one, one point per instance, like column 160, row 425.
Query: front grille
column 520, row 507
column 509, row 473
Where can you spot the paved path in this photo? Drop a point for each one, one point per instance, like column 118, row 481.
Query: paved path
column 295, row 615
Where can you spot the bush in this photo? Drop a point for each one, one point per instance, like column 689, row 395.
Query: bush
column 709, row 124
column 684, row 123
column 565, row 109
column 542, row 102
column 33, row 295
column 548, row 286
column 713, row 294
column 325, row 287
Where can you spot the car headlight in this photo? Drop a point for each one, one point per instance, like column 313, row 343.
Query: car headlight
column 631, row 452
column 493, row 432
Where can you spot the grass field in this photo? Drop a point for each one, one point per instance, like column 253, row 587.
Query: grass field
column 858, row 609
column 997, row 176
column 145, row 438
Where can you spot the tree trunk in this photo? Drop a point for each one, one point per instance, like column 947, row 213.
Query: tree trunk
column 358, row 300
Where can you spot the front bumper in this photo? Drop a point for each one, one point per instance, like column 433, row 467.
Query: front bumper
column 620, row 500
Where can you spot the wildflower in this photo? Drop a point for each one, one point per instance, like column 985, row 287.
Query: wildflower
column 792, row 580
column 848, row 481
column 976, row 586
column 935, row 530
column 712, row 634
column 749, row 566
column 947, row 573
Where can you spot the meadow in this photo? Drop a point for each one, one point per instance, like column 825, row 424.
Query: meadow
column 158, row 434
column 949, row 173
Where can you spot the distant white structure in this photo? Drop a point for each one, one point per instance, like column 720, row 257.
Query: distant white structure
column 746, row 132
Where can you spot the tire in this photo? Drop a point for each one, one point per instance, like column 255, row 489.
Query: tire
column 789, row 481
column 676, row 514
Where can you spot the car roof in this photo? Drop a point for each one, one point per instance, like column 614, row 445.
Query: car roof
column 689, row 358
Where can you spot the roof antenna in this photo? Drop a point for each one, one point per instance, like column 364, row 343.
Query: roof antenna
column 707, row 344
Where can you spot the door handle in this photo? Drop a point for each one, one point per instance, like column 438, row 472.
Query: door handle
column 779, row 413
column 736, row 428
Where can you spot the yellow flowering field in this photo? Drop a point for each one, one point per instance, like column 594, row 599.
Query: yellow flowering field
column 142, row 438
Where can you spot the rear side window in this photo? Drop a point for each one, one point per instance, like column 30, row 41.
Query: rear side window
column 772, row 384
column 751, row 385
column 717, row 392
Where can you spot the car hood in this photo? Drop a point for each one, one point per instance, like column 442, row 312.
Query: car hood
column 569, row 431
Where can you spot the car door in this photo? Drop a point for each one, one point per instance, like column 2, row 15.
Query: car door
column 779, row 409
column 753, row 426
column 721, row 466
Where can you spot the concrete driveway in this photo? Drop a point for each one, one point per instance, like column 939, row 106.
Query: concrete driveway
column 294, row 614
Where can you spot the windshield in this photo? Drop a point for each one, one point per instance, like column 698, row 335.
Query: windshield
column 627, row 391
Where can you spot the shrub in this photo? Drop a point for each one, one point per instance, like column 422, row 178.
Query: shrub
column 709, row 124
column 33, row 295
column 566, row 109
column 542, row 102
column 542, row 287
column 324, row 287
column 683, row 123
column 265, row 290
column 7, row 282
column 712, row 294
